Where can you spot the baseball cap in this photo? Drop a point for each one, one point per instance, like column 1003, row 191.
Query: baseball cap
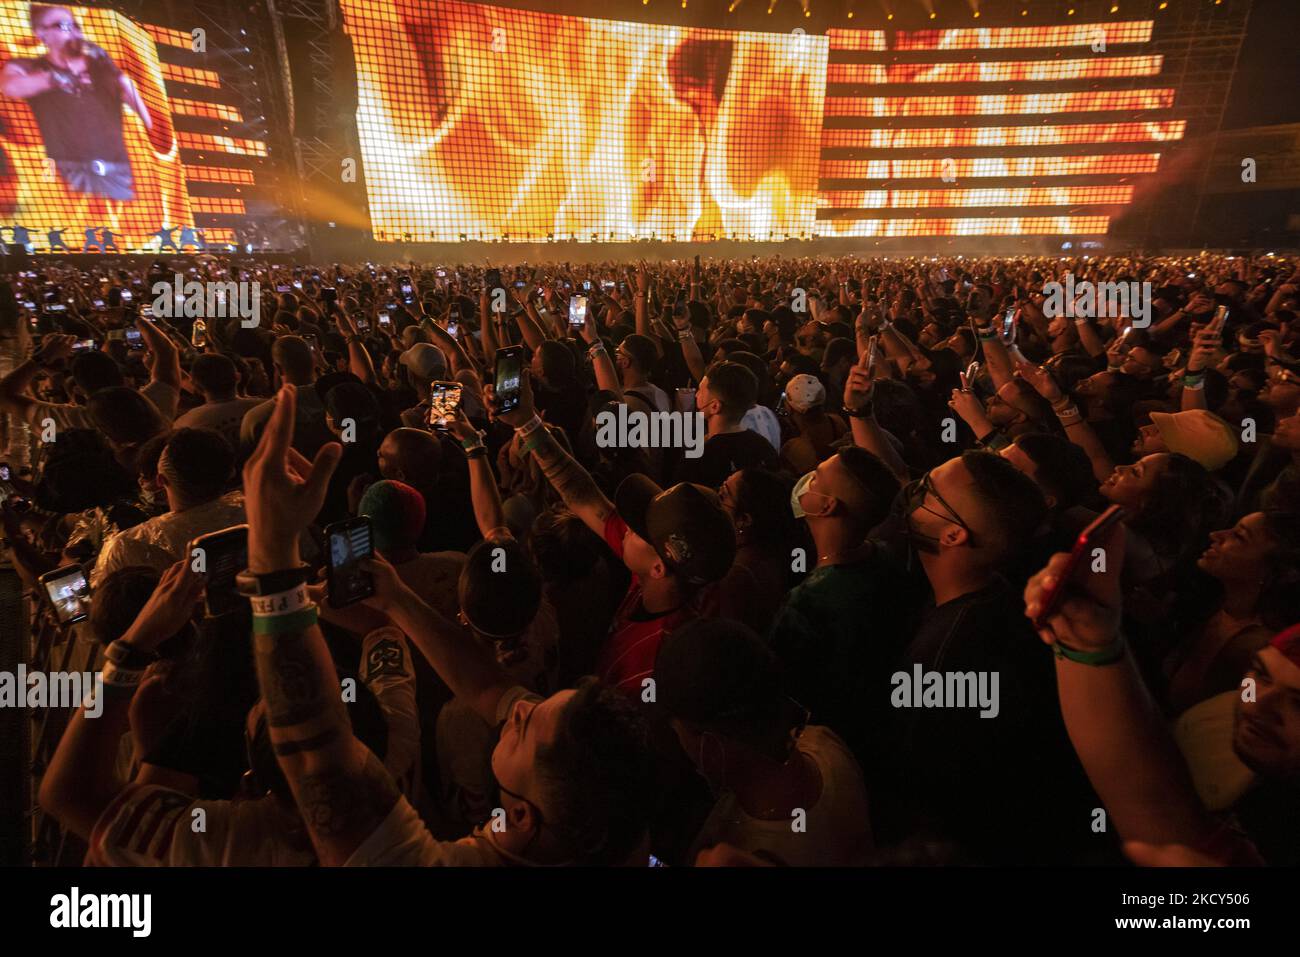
column 804, row 391
column 718, row 672
column 686, row 525
column 425, row 361
column 396, row 512
column 1198, row 434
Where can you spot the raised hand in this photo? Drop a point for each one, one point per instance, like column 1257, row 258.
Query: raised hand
column 283, row 490
column 1088, row 618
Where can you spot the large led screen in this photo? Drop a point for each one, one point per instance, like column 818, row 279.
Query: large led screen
column 86, row 134
column 480, row 122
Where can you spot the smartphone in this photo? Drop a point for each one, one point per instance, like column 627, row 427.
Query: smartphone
column 56, row 307
column 329, row 294
column 385, row 321
column 199, row 334
column 134, row 341
column 586, row 285
column 311, row 340
column 577, row 311
column 224, row 555
column 969, row 376
column 493, row 278
column 349, row 543
column 873, row 354
column 4, row 472
column 1095, row 532
column 521, row 283
column 607, row 285
column 97, row 303
column 146, row 310
column 508, row 377
column 444, row 400
column 281, row 287
column 363, row 324
column 116, row 335
column 297, row 284
column 453, row 328
column 441, row 274
column 69, row 593
column 126, row 295
column 85, row 345
column 1009, row 325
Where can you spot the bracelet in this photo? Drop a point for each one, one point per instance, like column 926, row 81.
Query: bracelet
column 529, row 427
column 987, row 334
column 1061, row 404
column 111, row 674
column 685, row 334
column 531, row 443
column 477, row 452
column 1105, row 656
column 299, row 620
column 128, row 656
column 865, row 411
column 595, row 348
column 283, row 603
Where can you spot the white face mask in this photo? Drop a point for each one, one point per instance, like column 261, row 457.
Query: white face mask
column 801, row 490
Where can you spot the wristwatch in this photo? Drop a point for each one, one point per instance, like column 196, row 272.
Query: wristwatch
column 866, row 411
column 271, row 583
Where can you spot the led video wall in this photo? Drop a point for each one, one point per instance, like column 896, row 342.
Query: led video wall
column 86, row 134
column 970, row 131
column 479, row 122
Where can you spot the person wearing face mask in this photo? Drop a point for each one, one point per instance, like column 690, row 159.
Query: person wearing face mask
column 835, row 662
column 763, row 761
column 1006, row 787
column 725, row 394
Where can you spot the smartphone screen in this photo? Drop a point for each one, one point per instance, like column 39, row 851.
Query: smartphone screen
column 224, row 555
column 350, row 542
column 509, row 372
column 134, row 340
column 577, row 311
column 68, row 592
column 444, row 400
column 1051, row 600
column 281, row 287
column 126, row 295
column 85, row 345
column 385, row 320
column 199, row 334
column 453, row 328
column 1009, row 323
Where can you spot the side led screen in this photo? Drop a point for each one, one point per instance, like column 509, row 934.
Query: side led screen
column 86, row 135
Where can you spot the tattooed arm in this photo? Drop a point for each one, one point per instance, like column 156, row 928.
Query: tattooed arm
column 343, row 791
column 574, row 483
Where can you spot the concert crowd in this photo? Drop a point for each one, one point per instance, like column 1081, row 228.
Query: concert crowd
column 952, row 575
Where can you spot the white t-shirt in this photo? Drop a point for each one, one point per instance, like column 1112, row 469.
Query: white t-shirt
column 836, row 830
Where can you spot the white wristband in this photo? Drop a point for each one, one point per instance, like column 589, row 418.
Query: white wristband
column 282, row 603
column 529, row 427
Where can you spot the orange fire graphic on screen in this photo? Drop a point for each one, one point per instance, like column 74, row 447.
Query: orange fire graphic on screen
column 486, row 122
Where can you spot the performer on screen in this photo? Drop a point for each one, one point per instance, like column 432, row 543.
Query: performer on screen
column 76, row 93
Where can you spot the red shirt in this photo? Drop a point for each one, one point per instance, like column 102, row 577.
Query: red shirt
column 628, row 655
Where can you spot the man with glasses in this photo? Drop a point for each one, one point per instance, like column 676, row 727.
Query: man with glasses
column 1003, row 788
column 76, row 93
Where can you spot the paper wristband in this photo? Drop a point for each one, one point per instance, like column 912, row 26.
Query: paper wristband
column 113, row 675
column 281, row 603
column 281, row 624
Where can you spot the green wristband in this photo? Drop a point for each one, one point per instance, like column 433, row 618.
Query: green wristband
column 1106, row 656
column 299, row 620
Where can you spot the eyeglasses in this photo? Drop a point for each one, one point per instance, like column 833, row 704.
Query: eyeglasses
column 915, row 493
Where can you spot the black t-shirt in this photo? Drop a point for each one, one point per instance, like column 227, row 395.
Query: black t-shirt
column 1007, row 788
column 85, row 125
column 838, row 636
column 726, row 453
